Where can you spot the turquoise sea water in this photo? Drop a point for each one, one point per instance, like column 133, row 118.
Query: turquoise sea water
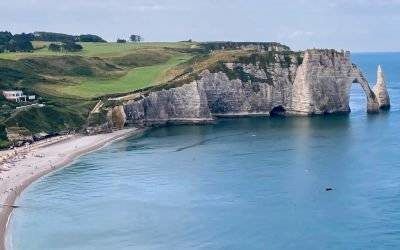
column 246, row 183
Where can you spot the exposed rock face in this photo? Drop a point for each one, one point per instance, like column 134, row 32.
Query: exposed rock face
column 380, row 90
column 236, row 98
column 319, row 84
column 323, row 82
column 182, row 104
column 259, row 46
column 117, row 116
column 19, row 135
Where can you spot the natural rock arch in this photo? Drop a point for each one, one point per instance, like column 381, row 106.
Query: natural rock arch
column 323, row 81
column 372, row 101
column 319, row 84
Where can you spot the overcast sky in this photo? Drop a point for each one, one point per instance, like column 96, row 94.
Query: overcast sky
column 358, row 25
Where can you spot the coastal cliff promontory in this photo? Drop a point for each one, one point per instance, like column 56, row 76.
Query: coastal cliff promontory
column 184, row 82
column 260, row 81
column 268, row 82
column 323, row 83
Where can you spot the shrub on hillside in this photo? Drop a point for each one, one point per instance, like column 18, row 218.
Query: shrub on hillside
column 136, row 38
column 55, row 47
column 53, row 37
column 65, row 38
column 72, row 47
column 91, row 38
column 65, row 47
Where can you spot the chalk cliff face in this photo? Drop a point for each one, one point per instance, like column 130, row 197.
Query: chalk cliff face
column 187, row 103
column 323, row 83
column 318, row 84
column 380, row 90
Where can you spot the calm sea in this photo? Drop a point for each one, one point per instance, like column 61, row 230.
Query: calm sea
column 255, row 183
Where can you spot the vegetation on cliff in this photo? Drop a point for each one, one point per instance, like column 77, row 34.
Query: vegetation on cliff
column 70, row 84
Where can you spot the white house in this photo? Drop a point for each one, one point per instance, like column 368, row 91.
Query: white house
column 14, row 95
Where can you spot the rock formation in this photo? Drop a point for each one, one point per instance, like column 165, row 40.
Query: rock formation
column 19, row 135
column 117, row 117
column 323, row 83
column 183, row 104
column 317, row 83
column 380, row 90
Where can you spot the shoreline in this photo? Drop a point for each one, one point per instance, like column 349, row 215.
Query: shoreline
column 31, row 163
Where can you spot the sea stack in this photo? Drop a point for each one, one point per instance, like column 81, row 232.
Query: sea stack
column 380, row 90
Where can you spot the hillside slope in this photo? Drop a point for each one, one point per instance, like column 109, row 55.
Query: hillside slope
column 70, row 84
column 109, row 85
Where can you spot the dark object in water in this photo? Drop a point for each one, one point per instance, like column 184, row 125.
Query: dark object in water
column 13, row 206
column 328, row 189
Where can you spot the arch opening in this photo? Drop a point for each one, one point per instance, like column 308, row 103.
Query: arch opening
column 277, row 111
column 357, row 98
column 370, row 100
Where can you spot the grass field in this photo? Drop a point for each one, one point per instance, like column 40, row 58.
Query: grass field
column 70, row 84
column 96, row 49
column 99, row 69
column 134, row 79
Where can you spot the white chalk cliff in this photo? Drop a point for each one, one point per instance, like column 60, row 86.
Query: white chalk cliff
column 380, row 90
column 318, row 83
column 323, row 83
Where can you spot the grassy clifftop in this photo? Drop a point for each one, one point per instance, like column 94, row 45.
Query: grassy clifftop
column 70, row 84
column 100, row 69
column 103, row 50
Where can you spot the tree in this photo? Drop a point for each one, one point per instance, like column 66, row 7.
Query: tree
column 121, row 40
column 17, row 42
column 65, row 47
column 136, row 38
column 5, row 37
column 72, row 47
column 53, row 37
column 91, row 38
column 26, row 36
column 23, row 42
column 65, row 38
column 55, row 47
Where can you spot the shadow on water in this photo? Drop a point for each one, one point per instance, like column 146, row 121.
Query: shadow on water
column 383, row 115
column 266, row 128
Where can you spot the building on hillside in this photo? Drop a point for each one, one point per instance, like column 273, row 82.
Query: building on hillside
column 14, row 95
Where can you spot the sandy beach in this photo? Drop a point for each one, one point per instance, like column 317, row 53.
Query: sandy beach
column 21, row 166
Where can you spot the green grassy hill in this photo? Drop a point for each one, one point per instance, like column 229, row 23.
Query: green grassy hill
column 71, row 83
column 126, row 79
column 100, row 68
column 104, row 50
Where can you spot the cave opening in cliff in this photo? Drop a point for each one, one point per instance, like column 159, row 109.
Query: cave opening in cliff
column 277, row 111
column 358, row 100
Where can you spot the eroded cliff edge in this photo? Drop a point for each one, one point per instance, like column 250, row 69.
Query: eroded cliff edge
column 267, row 82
